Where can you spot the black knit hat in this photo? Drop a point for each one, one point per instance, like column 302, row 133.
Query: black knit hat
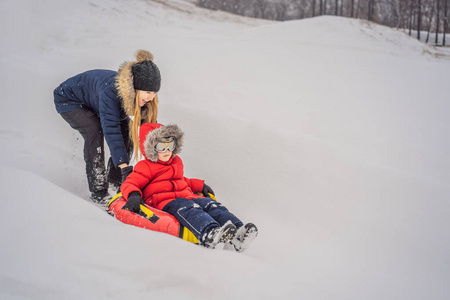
column 146, row 76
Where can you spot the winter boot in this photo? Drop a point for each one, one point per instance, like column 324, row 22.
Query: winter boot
column 219, row 235
column 244, row 236
column 100, row 197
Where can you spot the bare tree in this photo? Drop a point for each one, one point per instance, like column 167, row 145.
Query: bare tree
column 261, row 6
column 445, row 21
column 410, row 16
column 438, row 12
column 358, row 8
column 282, row 9
column 233, row 6
column 370, row 10
column 419, row 18
column 430, row 15
column 400, row 13
column 430, row 20
column 303, row 8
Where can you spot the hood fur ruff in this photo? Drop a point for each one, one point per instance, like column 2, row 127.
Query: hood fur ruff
column 157, row 134
column 124, row 81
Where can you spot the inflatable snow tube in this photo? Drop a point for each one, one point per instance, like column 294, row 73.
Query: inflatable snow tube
column 150, row 218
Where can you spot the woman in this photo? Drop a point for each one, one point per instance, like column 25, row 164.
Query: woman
column 99, row 103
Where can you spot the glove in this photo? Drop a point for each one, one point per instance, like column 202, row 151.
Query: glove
column 207, row 190
column 134, row 202
column 125, row 171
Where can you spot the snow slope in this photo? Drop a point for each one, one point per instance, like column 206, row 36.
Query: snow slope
column 328, row 133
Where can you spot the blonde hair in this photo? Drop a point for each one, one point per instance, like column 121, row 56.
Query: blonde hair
column 150, row 116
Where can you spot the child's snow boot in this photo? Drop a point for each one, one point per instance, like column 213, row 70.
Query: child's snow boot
column 244, row 236
column 219, row 235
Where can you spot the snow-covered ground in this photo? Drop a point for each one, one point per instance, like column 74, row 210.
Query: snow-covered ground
column 330, row 134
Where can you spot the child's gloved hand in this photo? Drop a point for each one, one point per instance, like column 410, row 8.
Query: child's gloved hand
column 207, row 190
column 125, row 172
column 134, row 202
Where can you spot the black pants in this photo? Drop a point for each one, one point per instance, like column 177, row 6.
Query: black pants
column 87, row 123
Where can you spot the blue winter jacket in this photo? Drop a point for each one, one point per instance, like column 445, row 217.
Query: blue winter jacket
column 96, row 90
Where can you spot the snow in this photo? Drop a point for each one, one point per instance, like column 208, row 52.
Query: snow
column 330, row 134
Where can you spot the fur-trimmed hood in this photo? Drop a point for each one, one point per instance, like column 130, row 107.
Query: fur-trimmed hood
column 151, row 133
column 124, row 81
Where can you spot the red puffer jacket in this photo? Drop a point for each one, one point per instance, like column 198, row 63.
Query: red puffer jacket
column 161, row 182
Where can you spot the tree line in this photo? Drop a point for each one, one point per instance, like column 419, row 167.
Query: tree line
column 418, row 16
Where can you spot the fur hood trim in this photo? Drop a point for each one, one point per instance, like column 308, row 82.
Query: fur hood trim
column 124, row 81
column 151, row 133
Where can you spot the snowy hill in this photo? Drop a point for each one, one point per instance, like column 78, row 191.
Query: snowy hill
column 328, row 133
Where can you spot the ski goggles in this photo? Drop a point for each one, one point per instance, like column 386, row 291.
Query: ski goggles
column 166, row 144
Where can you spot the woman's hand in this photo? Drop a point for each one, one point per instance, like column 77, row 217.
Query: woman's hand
column 125, row 171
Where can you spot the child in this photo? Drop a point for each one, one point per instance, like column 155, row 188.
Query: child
column 159, row 182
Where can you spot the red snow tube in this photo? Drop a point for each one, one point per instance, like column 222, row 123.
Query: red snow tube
column 150, row 218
